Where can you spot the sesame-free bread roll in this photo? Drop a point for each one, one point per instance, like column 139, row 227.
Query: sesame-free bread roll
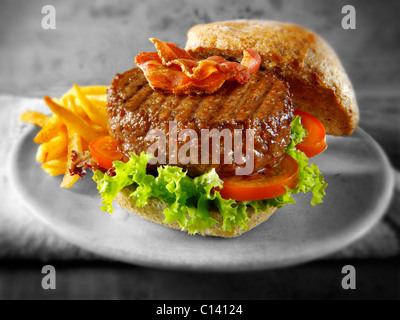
column 318, row 82
column 154, row 211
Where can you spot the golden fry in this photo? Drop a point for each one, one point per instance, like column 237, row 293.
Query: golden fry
column 70, row 92
column 78, row 109
column 72, row 121
column 100, row 130
column 55, row 167
column 68, row 180
column 41, row 154
column 101, row 99
column 34, row 117
column 74, row 143
column 95, row 112
column 49, row 130
column 64, row 102
column 88, row 91
column 53, row 149
column 57, row 147
column 79, row 117
column 95, row 90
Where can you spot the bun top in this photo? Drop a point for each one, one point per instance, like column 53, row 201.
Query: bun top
column 318, row 82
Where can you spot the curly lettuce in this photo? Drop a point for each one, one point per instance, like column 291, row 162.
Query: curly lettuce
column 188, row 200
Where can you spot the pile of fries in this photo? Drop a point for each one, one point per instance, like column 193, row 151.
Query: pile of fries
column 79, row 117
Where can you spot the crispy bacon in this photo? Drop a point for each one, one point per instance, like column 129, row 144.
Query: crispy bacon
column 173, row 70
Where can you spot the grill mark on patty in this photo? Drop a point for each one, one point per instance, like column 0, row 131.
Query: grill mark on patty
column 254, row 99
column 153, row 104
column 242, row 109
column 145, row 111
column 264, row 89
column 135, row 82
column 127, row 87
column 166, row 111
column 230, row 103
column 208, row 110
column 184, row 111
column 135, row 101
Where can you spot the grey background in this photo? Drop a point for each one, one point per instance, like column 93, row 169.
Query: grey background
column 95, row 39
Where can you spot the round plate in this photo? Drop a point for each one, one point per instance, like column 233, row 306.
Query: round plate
column 360, row 185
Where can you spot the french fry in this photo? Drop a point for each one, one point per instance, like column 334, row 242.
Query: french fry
column 56, row 147
column 70, row 92
column 41, row 154
column 95, row 90
column 85, row 144
column 64, row 102
column 101, row 99
column 68, row 180
column 35, row 118
column 74, row 143
column 79, row 117
column 89, row 91
column 55, row 167
column 100, row 130
column 96, row 114
column 53, row 149
column 72, row 121
column 49, row 130
column 56, row 100
column 77, row 109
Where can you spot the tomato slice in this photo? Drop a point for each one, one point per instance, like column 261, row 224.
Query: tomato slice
column 315, row 141
column 265, row 185
column 104, row 152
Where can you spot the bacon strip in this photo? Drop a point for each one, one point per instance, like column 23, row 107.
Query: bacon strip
column 173, row 70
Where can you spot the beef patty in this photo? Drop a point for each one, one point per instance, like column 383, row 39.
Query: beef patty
column 264, row 105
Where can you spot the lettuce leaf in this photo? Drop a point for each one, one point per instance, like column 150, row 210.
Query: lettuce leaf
column 311, row 178
column 188, row 200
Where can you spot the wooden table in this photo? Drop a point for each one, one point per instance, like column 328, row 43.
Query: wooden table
column 93, row 40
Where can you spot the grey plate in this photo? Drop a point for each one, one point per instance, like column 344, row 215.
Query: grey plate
column 360, row 187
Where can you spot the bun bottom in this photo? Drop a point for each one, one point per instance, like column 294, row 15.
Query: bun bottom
column 153, row 211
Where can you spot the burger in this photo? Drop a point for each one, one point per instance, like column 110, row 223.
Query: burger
column 214, row 138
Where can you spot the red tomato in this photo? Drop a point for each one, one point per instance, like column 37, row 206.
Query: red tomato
column 104, row 152
column 265, row 185
column 315, row 141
